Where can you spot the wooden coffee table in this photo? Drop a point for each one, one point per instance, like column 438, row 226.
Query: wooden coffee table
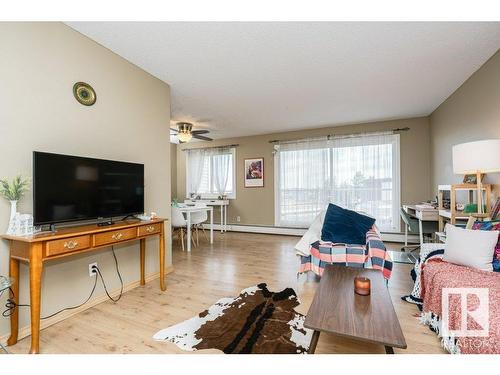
column 336, row 309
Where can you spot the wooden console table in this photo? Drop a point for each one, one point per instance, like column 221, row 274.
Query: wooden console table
column 66, row 242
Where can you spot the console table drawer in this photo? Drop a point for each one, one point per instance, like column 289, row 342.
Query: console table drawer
column 67, row 245
column 114, row 236
column 149, row 229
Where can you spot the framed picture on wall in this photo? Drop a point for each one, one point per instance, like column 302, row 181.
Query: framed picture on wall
column 472, row 178
column 254, row 172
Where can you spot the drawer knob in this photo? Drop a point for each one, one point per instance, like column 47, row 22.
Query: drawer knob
column 150, row 229
column 117, row 236
column 70, row 244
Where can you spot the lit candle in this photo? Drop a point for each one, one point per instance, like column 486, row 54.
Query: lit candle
column 362, row 285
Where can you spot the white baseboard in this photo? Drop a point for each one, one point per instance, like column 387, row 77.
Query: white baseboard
column 26, row 330
column 264, row 229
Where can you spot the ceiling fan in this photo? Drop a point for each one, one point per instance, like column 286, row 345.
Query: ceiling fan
column 185, row 132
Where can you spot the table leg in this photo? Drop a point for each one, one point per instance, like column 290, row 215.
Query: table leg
column 221, row 219
column 225, row 218
column 188, row 220
column 212, row 226
column 162, row 258
column 14, row 318
column 143, row 260
column 389, row 350
column 36, row 268
column 314, row 342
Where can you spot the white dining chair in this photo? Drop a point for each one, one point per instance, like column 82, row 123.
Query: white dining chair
column 179, row 223
column 197, row 220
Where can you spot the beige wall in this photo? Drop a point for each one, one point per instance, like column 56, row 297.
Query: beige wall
column 173, row 169
column 472, row 113
column 255, row 206
column 39, row 64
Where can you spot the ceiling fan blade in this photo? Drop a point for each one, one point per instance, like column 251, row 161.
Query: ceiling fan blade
column 200, row 131
column 175, row 130
column 202, row 137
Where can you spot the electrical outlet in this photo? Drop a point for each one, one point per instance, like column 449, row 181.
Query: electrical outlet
column 238, row 218
column 92, row 273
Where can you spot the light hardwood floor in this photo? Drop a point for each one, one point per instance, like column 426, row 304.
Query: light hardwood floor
column 235, row 261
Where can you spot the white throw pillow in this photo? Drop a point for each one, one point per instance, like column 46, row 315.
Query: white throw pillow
column 471, row 248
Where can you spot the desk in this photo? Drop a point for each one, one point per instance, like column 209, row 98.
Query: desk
column 42, row 247
column 188, row 211
column 215, row 202
column 420, row 215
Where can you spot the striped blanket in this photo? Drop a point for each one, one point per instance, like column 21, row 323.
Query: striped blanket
column 370, row 255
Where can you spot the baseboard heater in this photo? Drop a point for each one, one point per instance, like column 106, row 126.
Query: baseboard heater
column 268, row 229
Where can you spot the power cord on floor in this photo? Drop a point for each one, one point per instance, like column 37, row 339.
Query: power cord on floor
column 10, row 305
column 73, row 307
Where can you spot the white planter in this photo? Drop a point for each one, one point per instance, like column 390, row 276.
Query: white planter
column 13, row 209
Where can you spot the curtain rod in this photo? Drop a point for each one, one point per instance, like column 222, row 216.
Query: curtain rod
column 204, row 148
column 331, row 136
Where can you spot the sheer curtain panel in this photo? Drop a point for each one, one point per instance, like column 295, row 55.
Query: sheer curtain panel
column 210, row 172
column 356, row 172
column 196, row 161
column 222, row 168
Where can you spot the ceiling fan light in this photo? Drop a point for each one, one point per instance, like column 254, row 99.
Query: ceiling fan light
column 184, row 136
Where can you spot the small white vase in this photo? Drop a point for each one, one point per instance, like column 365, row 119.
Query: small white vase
column 13, row 209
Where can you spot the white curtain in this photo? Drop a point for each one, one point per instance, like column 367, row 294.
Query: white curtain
column 221, row 167
column 303, row 181
column 364, row 178
column 358, row 172
column 210, row 172
column 197, row 160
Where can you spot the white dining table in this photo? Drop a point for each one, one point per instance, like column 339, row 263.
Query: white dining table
column 188, row 210
column 222, row 203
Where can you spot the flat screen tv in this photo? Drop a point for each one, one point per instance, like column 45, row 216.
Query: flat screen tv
column 72, row 188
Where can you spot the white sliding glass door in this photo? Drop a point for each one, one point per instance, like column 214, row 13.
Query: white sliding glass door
column 360, row 173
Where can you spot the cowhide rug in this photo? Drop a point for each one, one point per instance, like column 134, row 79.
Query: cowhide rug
column 257, row 321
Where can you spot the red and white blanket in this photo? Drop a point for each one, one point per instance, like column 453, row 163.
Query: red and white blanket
column 372, row 254
column 437, row 275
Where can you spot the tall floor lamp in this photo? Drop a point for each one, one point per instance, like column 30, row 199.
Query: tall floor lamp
column 477, row 158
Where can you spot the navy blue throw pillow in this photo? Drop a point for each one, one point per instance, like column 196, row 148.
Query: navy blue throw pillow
column 345, row 226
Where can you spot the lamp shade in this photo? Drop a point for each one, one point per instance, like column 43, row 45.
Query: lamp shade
column 479, row 156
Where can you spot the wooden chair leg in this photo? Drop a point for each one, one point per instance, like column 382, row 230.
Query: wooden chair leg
column 175, row 233
column 203, row 231
column 193, row 240
column 182, row 238
column 197, row 237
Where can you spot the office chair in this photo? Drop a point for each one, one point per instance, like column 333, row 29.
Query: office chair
column 428, row 228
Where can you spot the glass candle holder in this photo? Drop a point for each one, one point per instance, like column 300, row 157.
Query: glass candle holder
column 362, row 285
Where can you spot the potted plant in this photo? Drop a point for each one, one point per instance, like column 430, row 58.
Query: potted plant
column 13, row 192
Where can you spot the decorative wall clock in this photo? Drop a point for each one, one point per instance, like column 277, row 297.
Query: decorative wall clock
column 84, row 93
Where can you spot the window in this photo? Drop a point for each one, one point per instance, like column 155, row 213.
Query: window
column 360, row 173
column 210, row 172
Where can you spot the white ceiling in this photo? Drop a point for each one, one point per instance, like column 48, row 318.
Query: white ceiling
column 256, row 78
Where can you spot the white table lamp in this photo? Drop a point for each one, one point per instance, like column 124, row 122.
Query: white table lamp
column 477, row 158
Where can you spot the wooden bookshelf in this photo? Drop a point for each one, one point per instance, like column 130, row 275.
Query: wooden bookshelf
column 451, row 214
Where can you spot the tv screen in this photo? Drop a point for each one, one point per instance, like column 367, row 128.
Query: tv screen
column 70, row 188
